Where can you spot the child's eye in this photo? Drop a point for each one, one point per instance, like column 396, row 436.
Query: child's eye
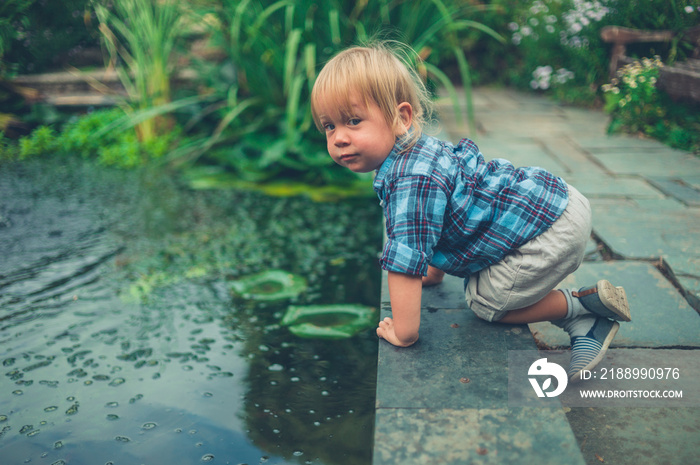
column 354, row 121
column 328, row 127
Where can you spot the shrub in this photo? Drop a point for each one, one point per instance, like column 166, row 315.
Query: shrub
column 36, row 35
column 559, row 48
column 121, row 149
column 637, row 106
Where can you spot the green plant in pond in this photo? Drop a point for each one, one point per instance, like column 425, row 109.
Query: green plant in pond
column 141, row 36
column 329, row 321
column 270, row 285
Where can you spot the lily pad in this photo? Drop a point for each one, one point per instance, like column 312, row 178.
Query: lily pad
column 329, row 321
column 269, row 285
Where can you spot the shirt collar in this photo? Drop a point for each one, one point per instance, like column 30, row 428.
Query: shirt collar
column 381, row 172
column 396, row 151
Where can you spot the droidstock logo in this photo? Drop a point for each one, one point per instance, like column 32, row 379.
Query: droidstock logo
column 541, row 368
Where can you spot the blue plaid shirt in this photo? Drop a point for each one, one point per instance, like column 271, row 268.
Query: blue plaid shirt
column 447, row 207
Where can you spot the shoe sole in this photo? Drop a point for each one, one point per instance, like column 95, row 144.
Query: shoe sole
column 606, row 343
column 614, row 299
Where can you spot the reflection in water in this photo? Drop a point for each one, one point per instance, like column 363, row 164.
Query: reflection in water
column 121, row 340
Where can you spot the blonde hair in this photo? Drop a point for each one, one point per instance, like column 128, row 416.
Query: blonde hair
column 380, row 74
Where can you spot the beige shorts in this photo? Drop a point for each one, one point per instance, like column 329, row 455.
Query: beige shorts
column 531, row 271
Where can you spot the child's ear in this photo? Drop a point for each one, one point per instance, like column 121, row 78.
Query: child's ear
column 405, row 111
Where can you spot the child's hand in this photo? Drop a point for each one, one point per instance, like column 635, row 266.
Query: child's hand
column 386, row 331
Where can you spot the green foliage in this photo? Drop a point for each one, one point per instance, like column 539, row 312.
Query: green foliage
column 36, row 35
column 8, row 149
column 43, row 140
column 329, row 321
column 269, row 285
column 632, row 97
column 263, row 124
column 555, row 47
column 13, row 18
column 637, row 106
column 550, row 39
column 118, row 148
column 142, row 35
column 673, row 15
column 559, row 47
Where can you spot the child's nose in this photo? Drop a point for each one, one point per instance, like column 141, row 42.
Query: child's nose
column 341, row 137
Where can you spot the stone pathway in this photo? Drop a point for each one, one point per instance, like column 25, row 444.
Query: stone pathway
column 645, row 198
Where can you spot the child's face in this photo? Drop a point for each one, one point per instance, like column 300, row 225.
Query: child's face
column 360, row 141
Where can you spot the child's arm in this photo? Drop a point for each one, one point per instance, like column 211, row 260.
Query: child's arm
column 405, row 294
column 434, row 277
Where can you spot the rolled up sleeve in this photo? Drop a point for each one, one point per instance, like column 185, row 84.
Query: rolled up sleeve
column 414, row 207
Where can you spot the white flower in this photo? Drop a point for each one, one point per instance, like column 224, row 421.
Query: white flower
column 513, row 26
column 689, row 9
column 542, row 71
column 563, row 75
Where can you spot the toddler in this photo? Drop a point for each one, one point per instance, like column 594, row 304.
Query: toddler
column 512, row 233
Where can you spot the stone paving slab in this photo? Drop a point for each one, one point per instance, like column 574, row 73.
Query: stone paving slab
column 454, row 345
column 648, row 162
column 615, row 143
column 445, row 399
column 474, row 436
column 652, row 229
column 637, row 435
column 661, row 317
column 613, row 187
column 646, row 228
column 678, row 189
column 528, row 153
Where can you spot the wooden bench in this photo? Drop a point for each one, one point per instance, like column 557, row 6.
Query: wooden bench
column 681, row 80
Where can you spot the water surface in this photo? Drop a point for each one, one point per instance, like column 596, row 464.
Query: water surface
column 121, row 342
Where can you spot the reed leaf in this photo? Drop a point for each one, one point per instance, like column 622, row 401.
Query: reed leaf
column 290, row 57
column 142, row 34
column 467, row 85
column 451, row 90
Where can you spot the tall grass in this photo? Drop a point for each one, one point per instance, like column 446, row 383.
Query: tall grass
column 276, row 48
column 140, row 36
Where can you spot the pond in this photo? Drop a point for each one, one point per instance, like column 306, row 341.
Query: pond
column 123, row 343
